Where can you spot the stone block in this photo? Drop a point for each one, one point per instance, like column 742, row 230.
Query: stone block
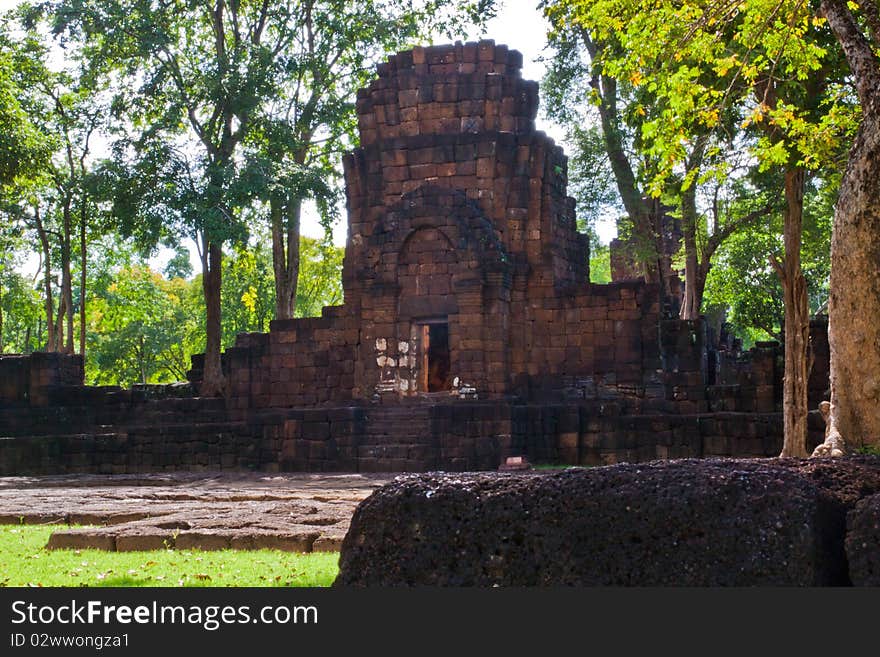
column 686, row 523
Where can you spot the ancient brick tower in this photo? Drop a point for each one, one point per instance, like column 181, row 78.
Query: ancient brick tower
column 458, row 219
column 464, row 274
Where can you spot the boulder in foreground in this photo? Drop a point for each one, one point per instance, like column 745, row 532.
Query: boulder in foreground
column 863, row 542
column 695, row 522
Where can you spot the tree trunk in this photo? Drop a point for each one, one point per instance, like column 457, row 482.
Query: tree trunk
column 47, row 280
column 142, row 359
column 797, row 321
column 854, row 300
column 640, row 212
column 82, row 280
column 213, row 381
column 693, row 292
column 690, row 304
column 285, row 219
column 59, row 322
column 67, row 278
column 661, row 270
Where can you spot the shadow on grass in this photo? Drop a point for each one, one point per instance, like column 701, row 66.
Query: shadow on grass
column 124, row 581
column 119, row 581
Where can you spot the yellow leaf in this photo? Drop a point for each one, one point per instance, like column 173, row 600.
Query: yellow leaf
column 249, row 299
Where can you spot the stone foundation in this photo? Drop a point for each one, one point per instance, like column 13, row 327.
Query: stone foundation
column 210, row 511
column 197, row 435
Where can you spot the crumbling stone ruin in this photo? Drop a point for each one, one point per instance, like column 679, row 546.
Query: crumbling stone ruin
column 470, row 330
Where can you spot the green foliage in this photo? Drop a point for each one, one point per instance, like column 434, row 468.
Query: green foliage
column 248, row 291
column 600, row 260
column 143, row 329
column 600, row 266
column 179, row 266
column 870, row 450
column 765, row 86
column 742, row 282
column 24, row 148
column 591, row 180
column 699, row 62
column 320, row 277
column 22, row 311
column 26, row 562
column 572, row 99
column 196, row 88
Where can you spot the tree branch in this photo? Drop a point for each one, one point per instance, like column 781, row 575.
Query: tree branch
column 219, row 34
column 257, row 33
column 777, row 267
column 856, row 47
column 606, row 87
column 731, row 227
column 871, row 11
column 171, row 64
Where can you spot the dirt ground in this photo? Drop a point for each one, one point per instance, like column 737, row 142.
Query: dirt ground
column 209, row 511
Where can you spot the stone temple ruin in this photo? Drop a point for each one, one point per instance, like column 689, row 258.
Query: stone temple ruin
column 470, row 330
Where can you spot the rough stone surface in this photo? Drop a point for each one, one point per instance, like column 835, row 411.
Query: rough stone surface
column 863, row 542
column 849, row 480
column 299, row 513
column 690, row 523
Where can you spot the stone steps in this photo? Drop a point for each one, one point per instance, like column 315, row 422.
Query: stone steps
column 395, row 439
column 397, row 424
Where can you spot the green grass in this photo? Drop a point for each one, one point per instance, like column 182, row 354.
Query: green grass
column 24, row 561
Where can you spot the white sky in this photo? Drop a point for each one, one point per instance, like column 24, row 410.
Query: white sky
column 518, row 24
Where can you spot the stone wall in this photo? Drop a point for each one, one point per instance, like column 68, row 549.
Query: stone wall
column 27, row 379
column 125, row 436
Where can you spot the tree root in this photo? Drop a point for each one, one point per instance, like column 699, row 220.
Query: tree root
column 834, row 444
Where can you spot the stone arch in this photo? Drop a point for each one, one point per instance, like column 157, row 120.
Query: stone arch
column 439, row 261
column 428, row 267
column 426, row 263
column 457, row 218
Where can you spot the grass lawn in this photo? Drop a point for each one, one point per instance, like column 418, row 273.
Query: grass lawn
column 24, row 561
